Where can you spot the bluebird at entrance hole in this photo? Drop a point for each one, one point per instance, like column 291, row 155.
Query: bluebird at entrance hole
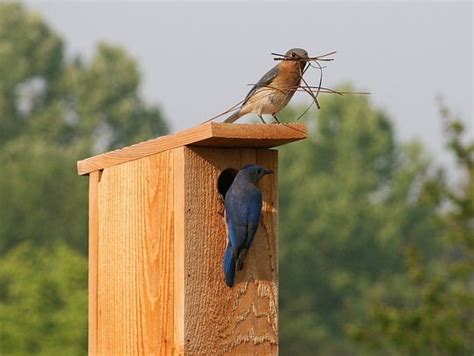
column 243, row 208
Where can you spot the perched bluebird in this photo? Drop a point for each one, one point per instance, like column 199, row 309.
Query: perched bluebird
column 243, row 208
column 276, row 88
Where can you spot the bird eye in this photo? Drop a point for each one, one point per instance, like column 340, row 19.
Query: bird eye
column 259, row 171
column 293, row 54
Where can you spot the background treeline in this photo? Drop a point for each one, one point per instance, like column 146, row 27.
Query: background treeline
column 376, row 244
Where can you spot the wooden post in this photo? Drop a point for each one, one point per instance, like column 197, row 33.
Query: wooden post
column 157, row 238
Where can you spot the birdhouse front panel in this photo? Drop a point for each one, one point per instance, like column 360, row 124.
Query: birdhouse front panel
column 242, row 319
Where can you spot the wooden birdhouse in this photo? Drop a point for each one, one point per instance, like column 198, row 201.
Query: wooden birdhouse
column 157, row 238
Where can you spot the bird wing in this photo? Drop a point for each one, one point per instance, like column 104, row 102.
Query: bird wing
column 236, row 221
column 243, row 211
column 263, row 82
column 253, row 218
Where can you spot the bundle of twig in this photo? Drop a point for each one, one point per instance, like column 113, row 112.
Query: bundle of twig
column 314, row 91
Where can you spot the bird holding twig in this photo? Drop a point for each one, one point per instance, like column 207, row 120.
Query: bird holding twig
column 276, row 88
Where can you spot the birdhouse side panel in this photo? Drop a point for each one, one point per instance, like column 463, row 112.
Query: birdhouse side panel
column 219, row 319
column 135, row 257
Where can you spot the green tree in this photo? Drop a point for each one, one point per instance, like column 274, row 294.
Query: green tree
column 54, row 111
column 43, row 199
column 437, row 316
column 32, row 60
column 348, row 203
column 43, row 301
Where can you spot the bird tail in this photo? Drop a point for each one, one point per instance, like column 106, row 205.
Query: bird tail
column 233, row 117
column 229, row 265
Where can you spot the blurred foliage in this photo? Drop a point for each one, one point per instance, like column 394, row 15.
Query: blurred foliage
column 350, row 202
column 67, row 102
column 437, row 318
column 54, row 111
column 43, row 301
column 375, row 246
column 43, row 199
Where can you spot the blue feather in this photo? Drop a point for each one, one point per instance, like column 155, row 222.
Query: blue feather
column 243, row 205
column 229, row 265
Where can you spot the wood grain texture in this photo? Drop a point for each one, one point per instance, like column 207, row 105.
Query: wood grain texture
column 218, row 319
column 179, row 248
column 208, row 135
column 135, row 258
column 93, row 259
column 156, row 278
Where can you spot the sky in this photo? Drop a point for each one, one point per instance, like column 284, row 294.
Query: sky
column 197, row 58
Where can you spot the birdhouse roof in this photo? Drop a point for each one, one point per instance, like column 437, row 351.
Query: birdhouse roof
column 207, row 135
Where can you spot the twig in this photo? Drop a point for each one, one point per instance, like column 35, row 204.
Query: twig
column 232, row 108
column 310, row 92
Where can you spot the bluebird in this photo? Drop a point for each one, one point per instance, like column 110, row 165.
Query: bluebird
column 276, row 88
column 243, row 208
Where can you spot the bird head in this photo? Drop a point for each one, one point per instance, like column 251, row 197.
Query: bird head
column 297, row 54
column 255, row 172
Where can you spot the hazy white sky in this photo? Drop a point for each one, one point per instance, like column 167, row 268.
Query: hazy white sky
column 197, row 58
